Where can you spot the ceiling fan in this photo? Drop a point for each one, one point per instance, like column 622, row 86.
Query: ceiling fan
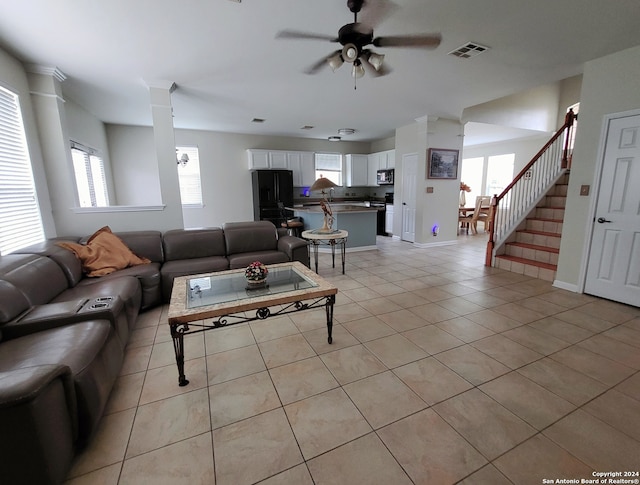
column 354, row 38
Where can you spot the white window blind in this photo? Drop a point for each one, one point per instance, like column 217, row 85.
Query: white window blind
column 20, row 221
column 91, row 181
column 189, row 177
column 329, row 165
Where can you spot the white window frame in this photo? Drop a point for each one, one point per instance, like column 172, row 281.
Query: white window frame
column 20, row 218
column 329, row 165
column 189, row 177
column 91, row 181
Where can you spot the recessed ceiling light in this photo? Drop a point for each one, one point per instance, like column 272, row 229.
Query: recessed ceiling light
column 346, row 131
column 257, row 120
column 334, row 138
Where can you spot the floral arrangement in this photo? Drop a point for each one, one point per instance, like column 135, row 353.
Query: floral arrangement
column 256, row 271
column 465, row 187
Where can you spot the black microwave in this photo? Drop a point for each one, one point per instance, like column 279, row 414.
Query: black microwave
column 385, row 177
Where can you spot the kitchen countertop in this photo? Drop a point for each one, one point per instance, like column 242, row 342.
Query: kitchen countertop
column 335, row 207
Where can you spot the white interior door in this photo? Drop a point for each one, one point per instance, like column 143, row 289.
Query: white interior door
column 613, row 268
column 409, row 178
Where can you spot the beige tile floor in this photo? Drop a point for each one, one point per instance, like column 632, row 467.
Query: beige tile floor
column 441, row 371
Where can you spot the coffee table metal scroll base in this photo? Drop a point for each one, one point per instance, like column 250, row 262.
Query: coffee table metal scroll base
column 179, row 330
column 177, row 334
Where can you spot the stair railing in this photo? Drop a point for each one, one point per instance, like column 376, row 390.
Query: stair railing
column 510, row 207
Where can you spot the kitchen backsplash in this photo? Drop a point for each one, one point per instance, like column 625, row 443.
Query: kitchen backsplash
column 350, row 192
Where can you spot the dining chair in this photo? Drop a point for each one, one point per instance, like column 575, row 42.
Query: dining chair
column 481, row 212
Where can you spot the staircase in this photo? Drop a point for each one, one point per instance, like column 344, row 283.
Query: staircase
column 533, row 248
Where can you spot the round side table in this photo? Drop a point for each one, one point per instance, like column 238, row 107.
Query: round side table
column 333, row 239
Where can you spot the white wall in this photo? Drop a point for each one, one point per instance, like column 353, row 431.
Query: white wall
column 439, row 207
column 609, row 85
column 134, row 164
column 535, row 109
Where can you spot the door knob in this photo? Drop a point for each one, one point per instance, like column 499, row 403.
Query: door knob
column 404, row 203
column 602, row 220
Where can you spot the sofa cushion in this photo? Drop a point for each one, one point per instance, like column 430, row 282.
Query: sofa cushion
column 38, row 278
column 146, row 244
column 13, row 302
column 104, row 253
column 249, row 237
column 193, row 243
column 184, row 267
column 243, row 260
column 67, row 260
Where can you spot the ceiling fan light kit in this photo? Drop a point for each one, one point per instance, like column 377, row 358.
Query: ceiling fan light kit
column 358, row 69
column 350, row 53
column 354, row 37
column 335, row 61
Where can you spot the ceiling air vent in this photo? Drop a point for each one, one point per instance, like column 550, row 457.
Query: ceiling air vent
column 470, row 49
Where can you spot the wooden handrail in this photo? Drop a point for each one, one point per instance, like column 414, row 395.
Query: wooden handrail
column 565, row 163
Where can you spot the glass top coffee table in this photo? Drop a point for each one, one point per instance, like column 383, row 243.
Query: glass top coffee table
column 226, row 299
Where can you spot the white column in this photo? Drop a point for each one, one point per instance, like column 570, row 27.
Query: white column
column 165, row 145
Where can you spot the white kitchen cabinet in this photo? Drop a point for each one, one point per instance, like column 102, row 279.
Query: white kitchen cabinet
column 302, row 164
column 390, row 156
column 388, row 219
column 357, row 170
column 374, row 166
column 380, row 161
column 258, row 159
column 278, row 161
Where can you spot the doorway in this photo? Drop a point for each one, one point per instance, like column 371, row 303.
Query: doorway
column 613, row 266
column 409, row 180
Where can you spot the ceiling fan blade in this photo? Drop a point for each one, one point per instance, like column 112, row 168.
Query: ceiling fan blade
column 297, row 34
column 419, row 40
column 374, row 12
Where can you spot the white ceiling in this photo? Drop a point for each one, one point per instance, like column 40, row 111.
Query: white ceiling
column 229, row 68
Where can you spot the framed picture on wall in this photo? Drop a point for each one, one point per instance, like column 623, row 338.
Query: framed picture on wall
column 442, row 163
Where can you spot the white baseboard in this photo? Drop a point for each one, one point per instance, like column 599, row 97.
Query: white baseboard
column 565, row 286
column 348, row 250
column 434, row 244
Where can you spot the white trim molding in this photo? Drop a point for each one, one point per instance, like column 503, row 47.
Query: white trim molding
column 118, row 208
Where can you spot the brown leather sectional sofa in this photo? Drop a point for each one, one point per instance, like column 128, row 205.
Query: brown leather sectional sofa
column 63, row 335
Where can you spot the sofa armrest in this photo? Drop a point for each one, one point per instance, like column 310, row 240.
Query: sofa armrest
column 60, row 314
column 38, row 419
column 295, row 248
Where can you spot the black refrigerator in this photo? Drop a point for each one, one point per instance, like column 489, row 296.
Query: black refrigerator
column 269, row 188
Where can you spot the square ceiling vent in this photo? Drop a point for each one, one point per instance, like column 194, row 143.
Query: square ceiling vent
column 470, row 49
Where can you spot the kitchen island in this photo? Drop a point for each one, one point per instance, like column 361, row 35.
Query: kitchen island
column 357, row 219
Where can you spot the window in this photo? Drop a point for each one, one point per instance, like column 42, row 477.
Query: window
column 91, row 182
column 487, row 176
column 189, row 176
column 499, row 173
column 20, row 221
column 329, row 165
column 472, row 169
